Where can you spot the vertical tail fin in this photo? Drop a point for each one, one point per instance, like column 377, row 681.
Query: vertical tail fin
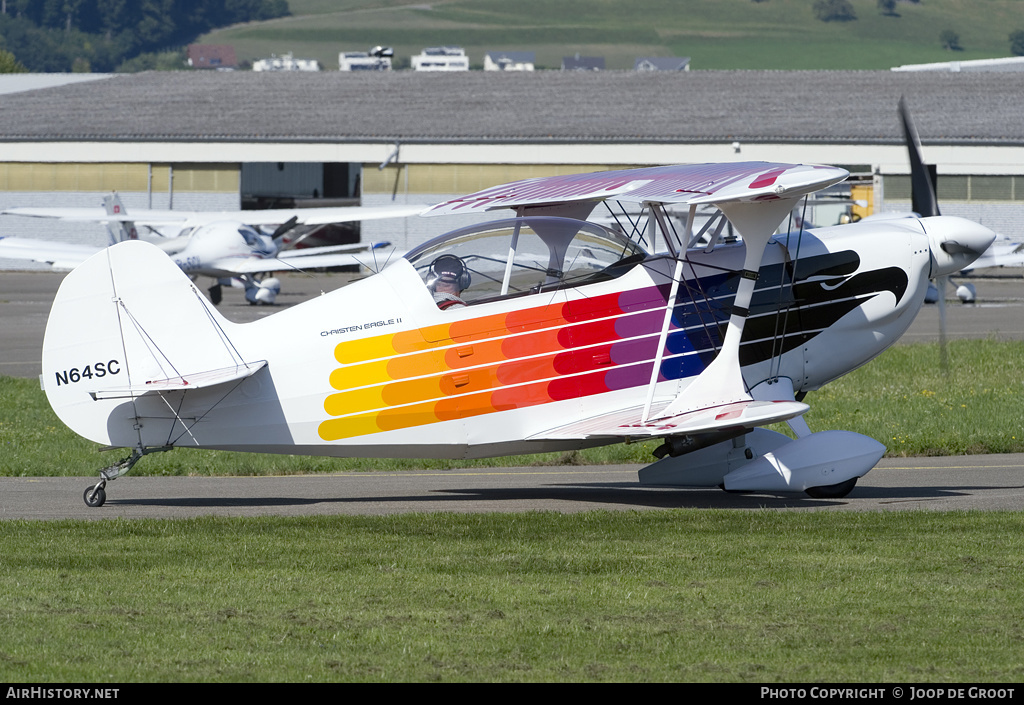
column 124, row 325
column 118, row 230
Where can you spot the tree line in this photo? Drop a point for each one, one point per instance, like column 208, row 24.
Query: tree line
column 842, row 11
column 101, row 35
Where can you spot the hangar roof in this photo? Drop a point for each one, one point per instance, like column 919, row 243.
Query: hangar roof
column 538, row 107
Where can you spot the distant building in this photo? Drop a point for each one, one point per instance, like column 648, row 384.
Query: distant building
column 509, row 61
column 377, row 59
column 582, row 63
column 286, row 62
column 1013, row 63
column 441, row 59
column 662, row 63
column 211, row 56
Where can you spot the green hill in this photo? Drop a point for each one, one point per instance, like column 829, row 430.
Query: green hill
column 716, row 34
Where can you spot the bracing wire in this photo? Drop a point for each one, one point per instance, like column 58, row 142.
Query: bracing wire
column 221, row 333
column 779, row 337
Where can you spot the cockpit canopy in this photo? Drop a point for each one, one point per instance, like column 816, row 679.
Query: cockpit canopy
column 529, row 255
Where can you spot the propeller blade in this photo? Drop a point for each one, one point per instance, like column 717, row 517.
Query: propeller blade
column 922, row 184
column 925, row 203
column 953, row 247
column 284, row 228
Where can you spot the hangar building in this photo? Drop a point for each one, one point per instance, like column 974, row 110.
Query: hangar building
column 212, row 140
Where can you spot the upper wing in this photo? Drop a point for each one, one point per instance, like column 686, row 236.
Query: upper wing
column 59, row 255
column 689, row 184
column 304, row 216
column 71, row 214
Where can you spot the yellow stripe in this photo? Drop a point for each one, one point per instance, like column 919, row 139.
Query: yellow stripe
column 368, row 373
column 348, row 427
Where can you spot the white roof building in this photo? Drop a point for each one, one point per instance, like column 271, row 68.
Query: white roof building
column 286, row 62
column 377, row 59
column 509, row 61
column 662, row 63
column 441, row 59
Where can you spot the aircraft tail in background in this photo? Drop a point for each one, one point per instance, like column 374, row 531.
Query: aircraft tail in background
column 118, row 230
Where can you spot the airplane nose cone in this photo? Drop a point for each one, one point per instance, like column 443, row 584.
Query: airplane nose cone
column 955, row 242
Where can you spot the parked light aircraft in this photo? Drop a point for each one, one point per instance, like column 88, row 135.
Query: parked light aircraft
column 1004, row 252
column 223, row 245
column 573, row 336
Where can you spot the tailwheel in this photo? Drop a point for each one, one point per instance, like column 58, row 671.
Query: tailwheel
column 836, row 491
column 95, row 495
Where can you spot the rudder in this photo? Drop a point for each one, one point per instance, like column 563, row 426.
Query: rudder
column 118, row 230
column 124, row 319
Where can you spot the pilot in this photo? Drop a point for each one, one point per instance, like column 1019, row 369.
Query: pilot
column 446, row 279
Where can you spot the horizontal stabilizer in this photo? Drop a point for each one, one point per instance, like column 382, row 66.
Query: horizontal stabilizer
column 627, row 423
column 198, row 380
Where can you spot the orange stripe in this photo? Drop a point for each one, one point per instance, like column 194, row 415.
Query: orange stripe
column 424, row 363
column 409, row 391
column 464, row 407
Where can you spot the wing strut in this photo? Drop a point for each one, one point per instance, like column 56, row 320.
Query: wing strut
column 722, row 382
column 512, row 252
column 658, row 212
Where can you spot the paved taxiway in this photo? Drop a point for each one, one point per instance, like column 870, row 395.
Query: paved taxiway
column 946, row 484
column 975, row 482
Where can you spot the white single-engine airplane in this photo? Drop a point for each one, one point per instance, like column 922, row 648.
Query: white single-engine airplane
column 223, row 245
column 572, row 336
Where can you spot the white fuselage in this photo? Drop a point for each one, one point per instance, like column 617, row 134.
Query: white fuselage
column 206, row 250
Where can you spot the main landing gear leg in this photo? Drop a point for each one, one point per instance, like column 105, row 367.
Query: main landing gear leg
column 96, row 495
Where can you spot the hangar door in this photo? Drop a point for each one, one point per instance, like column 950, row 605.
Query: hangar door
column 299, row 184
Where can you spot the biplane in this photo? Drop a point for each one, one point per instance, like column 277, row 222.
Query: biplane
column 566, row 335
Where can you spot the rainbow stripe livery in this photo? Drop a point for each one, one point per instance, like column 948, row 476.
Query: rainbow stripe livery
column 507, row 361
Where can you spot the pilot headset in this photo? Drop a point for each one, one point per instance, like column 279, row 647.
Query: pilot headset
column 449, row 267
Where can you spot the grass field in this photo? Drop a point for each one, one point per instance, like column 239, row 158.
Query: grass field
column 716, row 34
column 681, row 596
